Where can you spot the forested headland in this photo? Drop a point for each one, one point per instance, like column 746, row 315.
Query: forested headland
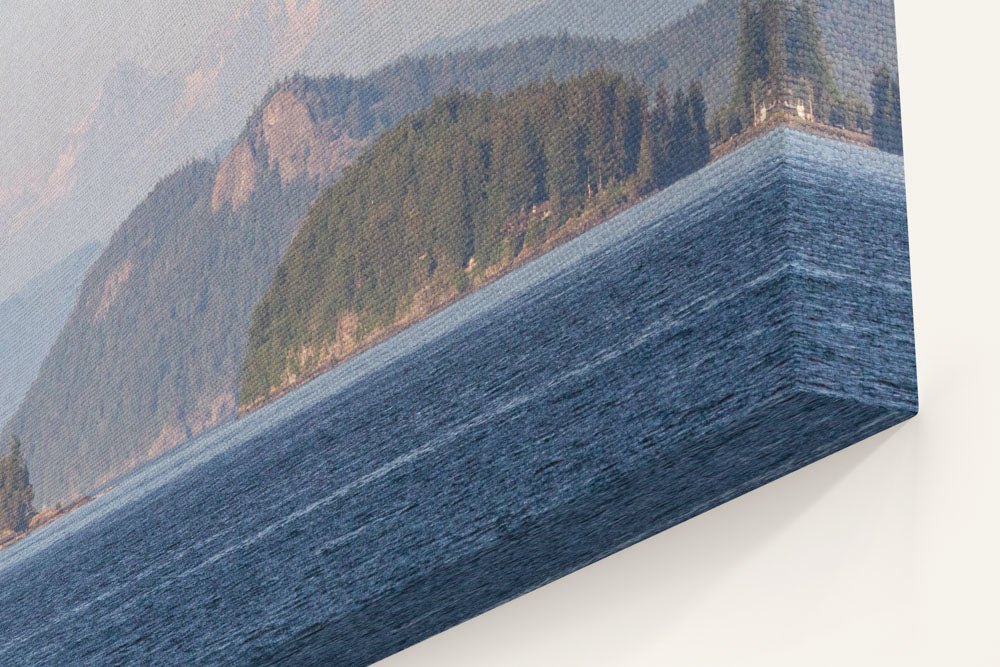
column 783, row 67
column 451, row 194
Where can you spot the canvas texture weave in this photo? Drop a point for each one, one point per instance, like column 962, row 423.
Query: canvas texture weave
column 444, row 302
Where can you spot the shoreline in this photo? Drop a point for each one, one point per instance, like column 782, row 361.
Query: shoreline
column 42, row 519
column 795, row 123
column 571, row 229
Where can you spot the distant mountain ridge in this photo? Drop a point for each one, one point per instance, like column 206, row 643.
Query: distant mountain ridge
column 589, row 18
column 31, row 320
column 853, row 52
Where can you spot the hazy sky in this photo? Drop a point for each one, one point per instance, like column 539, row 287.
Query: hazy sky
column 56, row 53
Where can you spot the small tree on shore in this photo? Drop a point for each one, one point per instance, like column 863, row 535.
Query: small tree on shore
column 16, row 494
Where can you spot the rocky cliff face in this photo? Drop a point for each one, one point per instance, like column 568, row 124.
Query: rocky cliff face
column 290, row 138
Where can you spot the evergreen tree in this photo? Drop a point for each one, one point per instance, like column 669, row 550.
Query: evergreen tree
column 750, row 62
column 862, row 116
column 717, row 128
column 680, row 151
column 808, row 58
column 16, row 494
column 734, row 122
column 649, row 160
column 774, row 24
column 565, row 173
column 660, row 130
column 700, row 141
column 629, row 121
column 781, row 45
column 887, row 126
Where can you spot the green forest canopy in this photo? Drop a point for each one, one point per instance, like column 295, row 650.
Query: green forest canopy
column 459, row 186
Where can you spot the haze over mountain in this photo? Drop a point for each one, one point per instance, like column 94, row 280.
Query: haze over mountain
column 31, row 320
column 851, row 56
column 67, row 179
column 592, row 18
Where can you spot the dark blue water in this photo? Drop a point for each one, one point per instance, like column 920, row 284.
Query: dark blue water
column 633, row 377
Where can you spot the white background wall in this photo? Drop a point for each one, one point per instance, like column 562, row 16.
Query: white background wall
column 886, row 553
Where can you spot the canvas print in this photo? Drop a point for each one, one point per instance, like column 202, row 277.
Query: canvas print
column 327, row 325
